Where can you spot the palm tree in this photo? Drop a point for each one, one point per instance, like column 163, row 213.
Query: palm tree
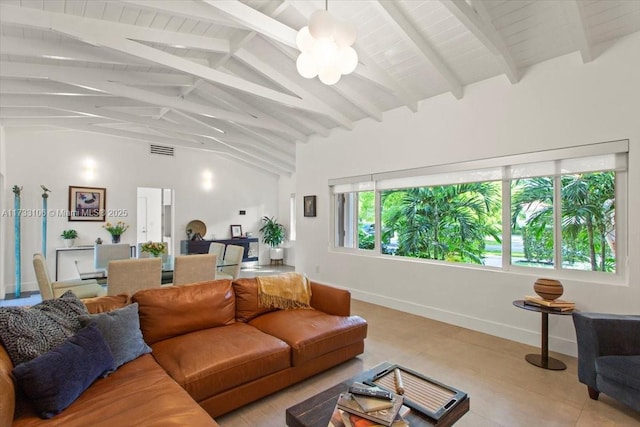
column 446, row 222
column 588, row 215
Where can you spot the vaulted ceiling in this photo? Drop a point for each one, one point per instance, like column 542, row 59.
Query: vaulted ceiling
column 220, row 75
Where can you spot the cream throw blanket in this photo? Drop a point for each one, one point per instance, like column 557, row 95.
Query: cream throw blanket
column 285, row 291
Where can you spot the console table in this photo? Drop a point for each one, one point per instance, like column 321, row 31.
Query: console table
column 91, row 248
column 250, row 245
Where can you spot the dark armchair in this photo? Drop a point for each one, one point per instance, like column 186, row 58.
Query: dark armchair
column 609, row 355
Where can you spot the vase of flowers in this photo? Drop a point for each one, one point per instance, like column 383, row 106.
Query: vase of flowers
column 154, row 248
column 115, row 230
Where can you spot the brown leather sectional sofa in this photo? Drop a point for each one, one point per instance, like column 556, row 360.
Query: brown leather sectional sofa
column 214, row 350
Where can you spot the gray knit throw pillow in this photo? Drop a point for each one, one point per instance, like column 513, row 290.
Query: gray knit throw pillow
column 28, row 332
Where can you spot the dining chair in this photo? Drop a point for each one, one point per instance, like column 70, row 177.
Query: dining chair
column 127, row 276
column 194, row 268
column 49, row 290
column 105, row 253
column 217, row 249
column 232, row 262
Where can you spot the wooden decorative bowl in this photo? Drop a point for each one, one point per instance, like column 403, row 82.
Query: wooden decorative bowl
column 548, row 289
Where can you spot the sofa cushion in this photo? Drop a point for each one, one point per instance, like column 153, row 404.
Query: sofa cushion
column 247, row 302
column 221, row 358
column 311, row 333
column 28, row 332
column 140, row 390
column 121, row 330
column 106, row 303
column 623, row 370
column 175, row 310
column 55, row 379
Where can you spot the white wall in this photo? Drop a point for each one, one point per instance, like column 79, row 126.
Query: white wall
column 559, row 103
column 56, row 159
column 3, row 206
column 287, row 186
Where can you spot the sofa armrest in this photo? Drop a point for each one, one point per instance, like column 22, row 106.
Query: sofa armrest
column 330, row 300
column 7, row 389
column 600, row 334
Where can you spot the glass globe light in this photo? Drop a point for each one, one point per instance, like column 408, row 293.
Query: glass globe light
column 306, row 66
column 348, row 60
column 304, row 40
column 324, row 51
column 329, row 74
column 322, row 24
column 345, row 34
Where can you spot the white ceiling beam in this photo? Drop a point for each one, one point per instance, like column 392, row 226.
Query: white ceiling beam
column 283, row 149
column 80, row 107
column 60, row 74
column 250, row 155
column 79, row 26
column 255, row 20
column 50, row 121
column 42, row 87
column 185, row 9
column 270, row 72
column 359, row 101
column 479, row 23
column 574, row 12
column 69, row 51
column 236, row 103
column 211, row 146
column 40, row 100
column 240, row 146
column 137, row 78
column 108, row 36
column 409, row 32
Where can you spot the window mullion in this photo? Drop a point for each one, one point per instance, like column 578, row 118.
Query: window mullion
column 506, row 220
column 377, row 221
column 557, row 221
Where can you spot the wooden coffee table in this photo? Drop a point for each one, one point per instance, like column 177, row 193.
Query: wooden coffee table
column 316, row 411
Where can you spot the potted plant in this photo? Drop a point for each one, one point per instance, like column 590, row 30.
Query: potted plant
column 273, row 234
column 116, row 230
column 69, row 237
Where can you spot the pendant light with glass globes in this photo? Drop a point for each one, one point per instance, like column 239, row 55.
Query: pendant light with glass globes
column 325, row 47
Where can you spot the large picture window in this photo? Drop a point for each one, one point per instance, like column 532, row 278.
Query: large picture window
column 553, row 210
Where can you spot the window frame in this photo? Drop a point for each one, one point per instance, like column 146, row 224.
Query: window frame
column 505, row 165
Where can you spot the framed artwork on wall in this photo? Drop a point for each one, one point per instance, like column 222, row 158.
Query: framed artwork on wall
column 87, row 203
column 309, row 205
column 236, row 231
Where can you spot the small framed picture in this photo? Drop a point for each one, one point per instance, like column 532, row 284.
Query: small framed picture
column 236, row 231
column 309, row 205
column 87, row 204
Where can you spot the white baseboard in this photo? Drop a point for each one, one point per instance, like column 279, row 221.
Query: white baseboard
column 557, row 344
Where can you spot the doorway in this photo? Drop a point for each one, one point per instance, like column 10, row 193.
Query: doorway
column 155, row 212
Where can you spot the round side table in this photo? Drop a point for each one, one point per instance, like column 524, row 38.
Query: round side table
column 543, row 360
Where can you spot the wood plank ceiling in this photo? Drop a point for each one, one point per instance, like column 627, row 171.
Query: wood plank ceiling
column 220, row 75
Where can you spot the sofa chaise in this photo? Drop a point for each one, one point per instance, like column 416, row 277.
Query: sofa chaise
column 214, row 349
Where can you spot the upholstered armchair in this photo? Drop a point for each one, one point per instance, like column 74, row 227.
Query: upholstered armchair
column 609, row 355
column 49, row 290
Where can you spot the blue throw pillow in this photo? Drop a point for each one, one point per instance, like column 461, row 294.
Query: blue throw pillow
column 121, row 330
column 55, row 379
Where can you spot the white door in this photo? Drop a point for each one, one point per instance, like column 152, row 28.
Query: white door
column 142, row 220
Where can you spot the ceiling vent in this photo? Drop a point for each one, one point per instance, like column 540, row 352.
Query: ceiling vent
column 162, row 150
